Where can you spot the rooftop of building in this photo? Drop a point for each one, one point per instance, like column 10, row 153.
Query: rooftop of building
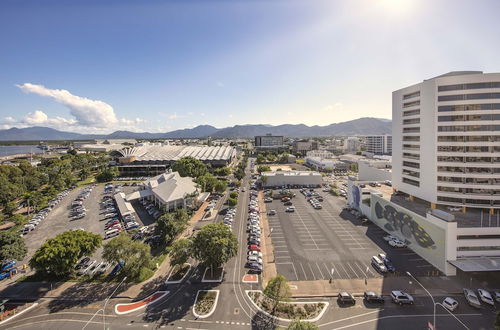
column 291, row 173
column 170, row 186
column 471, row 218
column 152, row 152
column 456, row 73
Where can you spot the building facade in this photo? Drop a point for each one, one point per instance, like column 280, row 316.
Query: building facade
column 352, row 144
column 303, row 146
column 379, row 144
column 292, row 179
column 269, row 141
column 446, row 140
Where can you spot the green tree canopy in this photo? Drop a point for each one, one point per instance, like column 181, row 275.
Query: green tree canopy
column 233, row 194
column 207, row 182
column 172, row 224
column 107, row 174
column 232, row 202
column 214, row 245
column 180, row 251
column 263, row 168
column 12, row 246
column 58, row 255
column 135, row 255
column 302, row 325
column 278, row 290
column 189, row 166
column 220, row 186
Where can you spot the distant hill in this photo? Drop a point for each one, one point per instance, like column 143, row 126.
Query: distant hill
column 361, row 126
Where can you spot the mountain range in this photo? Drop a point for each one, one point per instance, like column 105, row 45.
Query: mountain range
column 361, row 126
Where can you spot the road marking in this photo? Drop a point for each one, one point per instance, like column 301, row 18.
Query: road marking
column 310, row 268
column 348, row 264
column 283, row 263
column 320, row 271
column 303, row 270
column 295, row 271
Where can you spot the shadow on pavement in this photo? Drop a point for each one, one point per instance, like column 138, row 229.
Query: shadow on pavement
column 261, row 321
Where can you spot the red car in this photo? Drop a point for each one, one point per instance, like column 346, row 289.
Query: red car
column 254, row 247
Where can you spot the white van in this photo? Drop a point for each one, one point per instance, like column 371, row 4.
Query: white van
column 111, row 233
column 379, row 264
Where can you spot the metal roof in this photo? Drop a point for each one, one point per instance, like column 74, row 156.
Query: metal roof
column 477, row 264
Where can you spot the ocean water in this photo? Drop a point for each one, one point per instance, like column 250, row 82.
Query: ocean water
column 14, row 150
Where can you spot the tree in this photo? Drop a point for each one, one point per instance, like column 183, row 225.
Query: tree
column 302, row 325
column 58, row 255
column 263, row 168
column 207, row 182
column 13, row 246
column 232, row 202
column 180, row 251
column 260, row 159
column 278, row 290
column 172, row 224
column 233, row 194
column 189, row 166
column 9, row 208
column 107, row 174
column 84, row 173
column 222, row 171
column 214, row 245
column 220, row 186
column 134, row 255
column 354, row 167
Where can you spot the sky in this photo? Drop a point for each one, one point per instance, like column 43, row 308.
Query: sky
column 97, row 66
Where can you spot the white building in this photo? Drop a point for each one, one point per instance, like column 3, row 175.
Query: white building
column 168, row 190
column 352, row 144
column 329, row 164
column 292, row 178
column 379, row 144
column 446, row 140
column 374, row 170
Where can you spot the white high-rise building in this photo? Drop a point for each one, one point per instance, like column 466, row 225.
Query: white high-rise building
column 446, row 140
column 379, row 144
column 352, row 144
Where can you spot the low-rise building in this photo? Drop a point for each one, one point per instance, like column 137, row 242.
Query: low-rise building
column 327, row 164
column 303, row 146
column 352, row 144
column 270, row 142
column 291, row 179
column 374, row 170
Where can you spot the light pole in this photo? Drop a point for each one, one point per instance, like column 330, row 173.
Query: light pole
column 433, row 301
column 103, row 309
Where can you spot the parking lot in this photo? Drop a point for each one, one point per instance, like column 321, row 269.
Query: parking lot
column 309, row 243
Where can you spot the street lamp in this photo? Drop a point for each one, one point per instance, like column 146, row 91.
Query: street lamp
column 433, row 301
column 103, row 309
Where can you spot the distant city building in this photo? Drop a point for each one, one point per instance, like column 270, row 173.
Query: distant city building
column 379, row 144
column 292, row 178
column 303, row 146
column 352, row 144
column 153, row 159
column 328, row 164
column 374, row 170
column 269, row 143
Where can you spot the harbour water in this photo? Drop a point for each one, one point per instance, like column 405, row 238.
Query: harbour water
column 19, row 149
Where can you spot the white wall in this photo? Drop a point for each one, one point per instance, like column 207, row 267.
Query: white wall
column 368, row 172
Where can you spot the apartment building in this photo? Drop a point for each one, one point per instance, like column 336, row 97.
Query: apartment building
column 269, row 142
column 352, row 144
column 303, row 146
column 446, row 140
column 379, row 144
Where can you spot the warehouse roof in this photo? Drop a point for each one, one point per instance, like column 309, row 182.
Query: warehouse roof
column 169, row 152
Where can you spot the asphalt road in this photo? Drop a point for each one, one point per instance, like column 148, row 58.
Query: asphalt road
column 235, row 311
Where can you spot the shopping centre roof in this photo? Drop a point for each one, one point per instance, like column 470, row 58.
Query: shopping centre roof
column 160, row 152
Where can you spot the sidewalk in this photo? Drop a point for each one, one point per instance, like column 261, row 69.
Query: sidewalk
column 322, row 288
column 267, row 246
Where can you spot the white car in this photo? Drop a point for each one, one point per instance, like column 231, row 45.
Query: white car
column 252, row 258
column 255, row 253
column 450, row 304
column 397, row 243
column 485, row 296
column 390, row 238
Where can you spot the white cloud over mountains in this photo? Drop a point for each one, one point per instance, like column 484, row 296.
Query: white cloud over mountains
column 87, row 112
column 89, row 116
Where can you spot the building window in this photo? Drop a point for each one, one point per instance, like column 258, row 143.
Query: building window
column 411, row 173
column 411, row 156
column 468, row 107
column 458, row 87
column 411, row 121
column 411, row 138
column 477, row 96
column 412, row 182
column 411, row 130
column 411, row 104
column 450, row 149
column 450, row 159
column 411, row 113
column 411, row 95
column 411, row 147
column 453, row 169
column 450, row 179
column 449, row 199
column 411, row 164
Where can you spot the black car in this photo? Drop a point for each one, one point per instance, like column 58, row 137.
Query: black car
column 253, row 242
column 372, row 297
column 346, row 298
column 289, row 203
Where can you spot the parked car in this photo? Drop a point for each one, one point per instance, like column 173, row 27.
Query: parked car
column 253, row 247
column 486, row 297
column 271, row 212
column 401, row 298
column 372, row 297
column 252, row 258
column 387, row 262
column 378, row 265
column 471, row 298
column 8, row 265
column 255, row 253
column 496, row 295
column 346, row 298
column 450, row 304
column 290, row 209
column 397, row 243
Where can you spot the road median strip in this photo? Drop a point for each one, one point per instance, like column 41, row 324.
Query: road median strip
column 121, row 309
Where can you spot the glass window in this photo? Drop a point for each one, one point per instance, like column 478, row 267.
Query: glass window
column 411, row 95
column 411, row 164
column 411, row 121
column 412, row 182
column 411, row 104
column 411, row 130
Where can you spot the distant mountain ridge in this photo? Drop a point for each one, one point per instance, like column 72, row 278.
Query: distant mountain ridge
column 361, row 126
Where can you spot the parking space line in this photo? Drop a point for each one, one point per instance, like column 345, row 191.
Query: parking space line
column 303, row 270
column 295, row 271
column 320, row 271
column 284, row 263
column 348, row 264
column 328, row 271
column 366, row 276
column 312, row 272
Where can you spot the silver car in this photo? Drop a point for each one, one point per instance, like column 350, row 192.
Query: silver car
column 471, row 298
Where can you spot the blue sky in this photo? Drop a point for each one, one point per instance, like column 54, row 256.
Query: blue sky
column 100, row 65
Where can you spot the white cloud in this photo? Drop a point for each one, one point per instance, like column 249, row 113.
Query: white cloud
column 35, row 118
column 87, row 112
column 174, row 116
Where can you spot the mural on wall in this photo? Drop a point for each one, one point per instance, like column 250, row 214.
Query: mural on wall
column 422, row 236
column 356, row 196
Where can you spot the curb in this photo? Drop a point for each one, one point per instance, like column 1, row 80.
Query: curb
column 21, row 312
column 212, row 281
column 317, row 318
column 182, row 279
column 361, row 295
column 164, row 293
column 213, row 307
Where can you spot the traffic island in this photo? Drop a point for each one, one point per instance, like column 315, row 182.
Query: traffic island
column 205, row 303
column 287, row 311
column 214, row 276
column 250, row 278
column 121, row 309
column 178, row 274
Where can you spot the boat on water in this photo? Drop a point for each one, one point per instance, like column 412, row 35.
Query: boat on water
column 43, row 145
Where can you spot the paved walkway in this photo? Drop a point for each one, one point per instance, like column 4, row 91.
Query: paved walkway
column 435, row 285
column 267, row 246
